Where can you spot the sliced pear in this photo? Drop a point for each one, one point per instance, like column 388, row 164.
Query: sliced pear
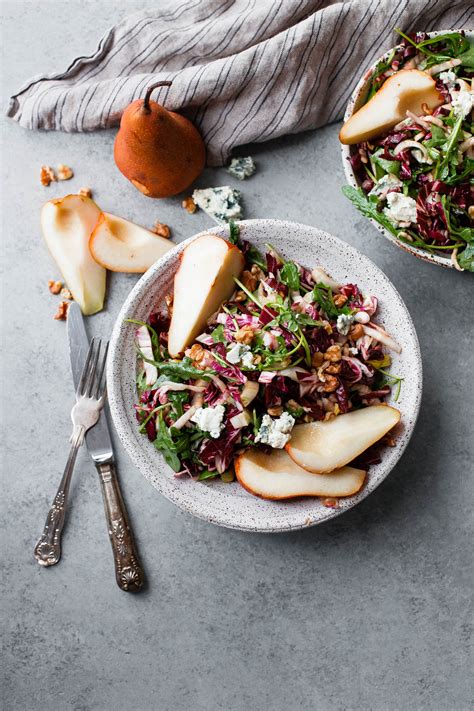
column 276, row 476
column 406, row 90
column 123, row 246
column 67, row 224
column 324, row 446
column 205, row 278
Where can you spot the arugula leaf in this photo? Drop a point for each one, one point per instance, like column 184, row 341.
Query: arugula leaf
column 290, row 275
column 218, row 334
column 368, row 208
column 438, row 137
column 177, row 398
column 388, row 166
column 323, row 296
column 183, row 369
column 450, row 154
column 379, row 70
column 234, row 233
column 466, row 258
column 206, row 474
column 467, row 58
column 165, row 444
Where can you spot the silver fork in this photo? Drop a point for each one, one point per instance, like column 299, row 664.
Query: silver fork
column 90, row 398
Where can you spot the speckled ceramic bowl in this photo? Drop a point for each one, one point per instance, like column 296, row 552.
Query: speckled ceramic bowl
column 229, row 504
column 355, row 102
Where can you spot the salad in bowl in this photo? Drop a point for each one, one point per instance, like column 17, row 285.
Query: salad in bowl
column 266, row 378
column 270, row 371
column 408, row 146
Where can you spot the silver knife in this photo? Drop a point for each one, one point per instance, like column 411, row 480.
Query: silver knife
column 128, row 571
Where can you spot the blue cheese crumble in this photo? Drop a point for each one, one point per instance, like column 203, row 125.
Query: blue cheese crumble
column 242, row 168
column 462, row 102
column 242, row 354
column 222, row 204
column 401, row 209
column 275, row 433
column 344, row 323
column 210, row 419
column 386, row 183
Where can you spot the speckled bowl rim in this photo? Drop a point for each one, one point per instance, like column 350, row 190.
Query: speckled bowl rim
column 284, row 516
column 352, row 106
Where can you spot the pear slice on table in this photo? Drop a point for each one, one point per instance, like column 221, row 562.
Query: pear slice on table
column 406, row 90
column 324, row 446
column 205, row 278
column 276, row 476
column 67, row 224
column 123, row 246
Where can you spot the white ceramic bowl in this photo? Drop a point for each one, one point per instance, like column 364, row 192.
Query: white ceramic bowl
column 355, row 102
column 229, row 504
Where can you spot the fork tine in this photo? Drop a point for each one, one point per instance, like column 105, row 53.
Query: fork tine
column 101, row 390
column 85, row 370
column 91, row 377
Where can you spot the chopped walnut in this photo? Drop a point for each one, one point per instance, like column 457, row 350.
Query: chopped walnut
column 329, row 416
column 240, row 296
column 333, row 354
column 256, row 271
column 64, row 172
column 169, row 303
column 275, row 411
column 249, row 280
column 245, row 335
column 85, row 192
column 189, row 205
column 47, row 175
column 333, row 369
column 470, row 212
column 340, row 300
column 61, row 314
column 196, row 353
column 55, row 286
column 162, row 230
column 317, row 359
column 331, row 384
column 330, row 503
column 257, row 359
column 356, row 332
column 327, row 327
column 66, row 294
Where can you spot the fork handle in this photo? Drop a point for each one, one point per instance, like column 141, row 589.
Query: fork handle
column 128, row 572
column 48, row 549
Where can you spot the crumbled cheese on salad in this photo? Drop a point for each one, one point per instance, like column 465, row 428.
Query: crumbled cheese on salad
column 449, row 78
column 247, row 360
column 222, row 204
column 275, row 433
column 401, row 209
column 344, row 323
column 242, row 168
column 209, row 419
column 240, row 353
column 462, row 102
column 386, row 183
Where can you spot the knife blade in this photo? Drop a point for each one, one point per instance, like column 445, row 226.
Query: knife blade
column 128, row 571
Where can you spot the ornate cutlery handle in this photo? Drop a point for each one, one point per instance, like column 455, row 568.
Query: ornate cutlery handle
column 128, row 571
column 48, row 549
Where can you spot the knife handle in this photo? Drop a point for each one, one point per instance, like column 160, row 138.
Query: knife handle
column 128, row 572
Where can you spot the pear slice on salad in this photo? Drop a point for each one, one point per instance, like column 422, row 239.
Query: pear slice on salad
column 67, row 224
column 324, row 446
column 406, row 90
column 205, row 278
column 276, row 476
column 123, row 246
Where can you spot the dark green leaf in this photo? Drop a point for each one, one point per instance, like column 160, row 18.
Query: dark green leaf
column 467, row 58
column 182, row 369
column 290, row 275
column 466, row 258
column 388, row 166
column 218, row 334
column 207, row 475
column 234, row 233
column 368, row 208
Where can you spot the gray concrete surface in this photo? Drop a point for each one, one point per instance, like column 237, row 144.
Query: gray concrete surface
column 370, row 611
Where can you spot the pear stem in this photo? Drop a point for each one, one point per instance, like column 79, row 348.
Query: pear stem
column 146, row 100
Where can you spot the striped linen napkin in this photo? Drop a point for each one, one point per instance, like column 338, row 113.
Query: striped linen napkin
column 242, row 70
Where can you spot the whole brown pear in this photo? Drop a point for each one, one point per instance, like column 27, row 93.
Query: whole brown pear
column 159, row 151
